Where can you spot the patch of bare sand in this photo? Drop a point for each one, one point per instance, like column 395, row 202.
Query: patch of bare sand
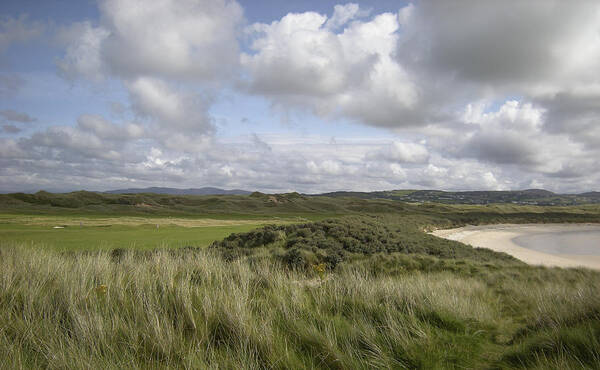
column 501, row 239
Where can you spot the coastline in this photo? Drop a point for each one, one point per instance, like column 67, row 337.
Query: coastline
column 501, row 237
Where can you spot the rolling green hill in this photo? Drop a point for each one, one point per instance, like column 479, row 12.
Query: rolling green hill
column 523, row 197
column 270, row 205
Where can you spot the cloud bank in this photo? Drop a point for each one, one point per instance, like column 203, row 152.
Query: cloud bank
column 465, row 95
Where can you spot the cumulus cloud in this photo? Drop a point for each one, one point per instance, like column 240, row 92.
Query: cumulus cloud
column 533, row 47
column 188, row 39
column 506, row 136
column 14, row 116
column 177, row 118
column 65, row 143
column 171, row 108
column 574, row 115
column 547, row 53
column 401, row 152
column 9, row 149
column 502, row 147
column 515, row 135
column 342, row 14
column 419, row 66
column 169, row 69
column 11, row 129
column 13, row 30
column 106, row 130
column 300, row 61
column 83, row 56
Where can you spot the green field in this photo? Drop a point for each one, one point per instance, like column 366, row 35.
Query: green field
column 117, row 236
column 281, row 282
column 85, row 233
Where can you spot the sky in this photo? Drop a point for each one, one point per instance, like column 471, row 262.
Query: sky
column 309, row 96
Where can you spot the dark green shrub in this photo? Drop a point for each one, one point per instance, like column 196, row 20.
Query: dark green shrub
column 294, row 259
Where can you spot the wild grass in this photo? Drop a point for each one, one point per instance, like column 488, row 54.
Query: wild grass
column 191, row 309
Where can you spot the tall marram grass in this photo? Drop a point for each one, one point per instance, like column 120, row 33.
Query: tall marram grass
column 194, row 310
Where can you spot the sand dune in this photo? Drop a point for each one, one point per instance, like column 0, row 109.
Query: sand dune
column 501, row 238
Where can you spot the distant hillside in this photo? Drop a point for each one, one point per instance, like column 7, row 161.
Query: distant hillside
column 174, row 191
column 525, row 197
column 591, row 194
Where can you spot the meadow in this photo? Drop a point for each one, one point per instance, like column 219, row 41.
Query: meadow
column 93, row 233
column 285, row 282
column 191, row 309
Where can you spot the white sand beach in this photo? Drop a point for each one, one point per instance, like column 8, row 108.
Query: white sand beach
column 502, row 237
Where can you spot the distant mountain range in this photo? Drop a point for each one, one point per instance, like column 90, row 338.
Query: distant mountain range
column 174, row 191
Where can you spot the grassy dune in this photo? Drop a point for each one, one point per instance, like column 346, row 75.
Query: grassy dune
column 189, row 308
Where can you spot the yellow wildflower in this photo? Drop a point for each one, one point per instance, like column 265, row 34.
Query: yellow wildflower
column 320, row 270
column 101, row 290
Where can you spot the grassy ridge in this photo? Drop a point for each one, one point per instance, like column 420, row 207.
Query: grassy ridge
column 92, row 204
column 187, row 308
column 259, row 205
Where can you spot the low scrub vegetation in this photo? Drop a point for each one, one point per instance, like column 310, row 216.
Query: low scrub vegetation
column 352, row 238
column 191, row 308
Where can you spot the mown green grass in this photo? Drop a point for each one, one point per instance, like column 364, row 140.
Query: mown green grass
column 117, row 236
column 84, row 232
column 190, row 309
column 91, row 233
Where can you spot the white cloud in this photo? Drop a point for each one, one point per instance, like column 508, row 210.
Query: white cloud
column 515, row 135
column 178, row 118
column 401, row 152
column 13, row 30
column 183, row 40
column 83, row 55
column 9, row 148
column 64, row 157
column 106, row 130
column 14, row 116
column 533, row 46
column 342, row 14
column 168, row 54
column 300, row 62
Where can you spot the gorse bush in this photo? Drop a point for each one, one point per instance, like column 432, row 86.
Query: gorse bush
column 191, row 309
column 333, row 241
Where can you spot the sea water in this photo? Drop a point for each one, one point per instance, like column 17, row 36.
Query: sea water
column 575, row 242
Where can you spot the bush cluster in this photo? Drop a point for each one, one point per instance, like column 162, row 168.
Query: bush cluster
column 333, row 241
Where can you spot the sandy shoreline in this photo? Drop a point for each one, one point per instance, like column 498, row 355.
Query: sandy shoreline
column 500, row 238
